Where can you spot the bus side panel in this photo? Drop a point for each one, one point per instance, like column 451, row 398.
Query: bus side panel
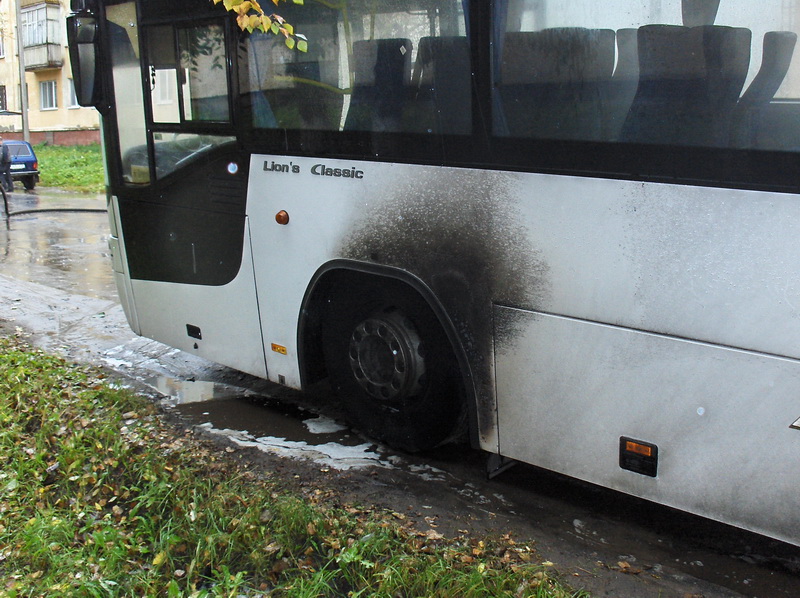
column 219, row 323
column 714, row 265
column 568, row 390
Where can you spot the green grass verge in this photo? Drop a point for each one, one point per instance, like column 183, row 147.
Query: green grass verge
column 100, row 497
column 72, row 168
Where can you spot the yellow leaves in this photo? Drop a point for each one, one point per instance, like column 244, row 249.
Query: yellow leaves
column 479, row 548
column 160, row 558
column 250, row 16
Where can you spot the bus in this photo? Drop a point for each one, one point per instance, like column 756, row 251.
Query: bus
column 564, row 231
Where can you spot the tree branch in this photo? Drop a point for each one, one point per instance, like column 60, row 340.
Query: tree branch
column 251, row 17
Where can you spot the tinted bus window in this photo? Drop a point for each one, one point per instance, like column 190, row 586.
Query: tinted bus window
column 400, row 66
column 704, row 74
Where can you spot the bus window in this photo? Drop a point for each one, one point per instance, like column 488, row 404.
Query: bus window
column 712, row 74
column 129, row 99
column 174, row 150
column 400, row 66
column 288, row 89
column 203, row 73
column 163, row 75
column 194, row 83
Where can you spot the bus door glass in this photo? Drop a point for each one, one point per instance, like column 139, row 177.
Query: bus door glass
column 123, row 36
column 188, row 87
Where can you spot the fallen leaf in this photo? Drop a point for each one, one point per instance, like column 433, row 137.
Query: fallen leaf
column 432, row 534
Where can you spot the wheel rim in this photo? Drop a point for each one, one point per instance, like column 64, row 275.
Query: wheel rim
column 386, row 357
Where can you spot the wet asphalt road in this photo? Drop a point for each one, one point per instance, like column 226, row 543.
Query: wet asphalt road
column 56, row 284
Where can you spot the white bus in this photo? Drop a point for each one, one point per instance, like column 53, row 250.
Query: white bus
column 567, row 231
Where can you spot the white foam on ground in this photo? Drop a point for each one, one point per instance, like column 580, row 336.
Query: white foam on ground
column 331, row 454
column 323, row 425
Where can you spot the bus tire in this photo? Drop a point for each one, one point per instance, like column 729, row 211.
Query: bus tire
column 393, row 369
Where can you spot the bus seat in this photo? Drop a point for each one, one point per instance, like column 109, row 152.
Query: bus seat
column 382, row 72
column 441, row 87
column 726, row 52
column 689, row 81
column 624, row 82
column 552, row 82
column 778, row 49
column 699, row 12
column 668, row 68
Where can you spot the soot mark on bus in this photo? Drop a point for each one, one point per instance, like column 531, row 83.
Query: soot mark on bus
column 460, row 233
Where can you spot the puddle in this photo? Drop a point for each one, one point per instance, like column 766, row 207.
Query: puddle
column 182, row 392
column 50, row 246
column 270, row 425
column 280, row 427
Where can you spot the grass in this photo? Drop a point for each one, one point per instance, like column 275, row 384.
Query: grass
column 101, row 497
column 72, row 168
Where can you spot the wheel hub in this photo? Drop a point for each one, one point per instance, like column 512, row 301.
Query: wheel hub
column 386, row 357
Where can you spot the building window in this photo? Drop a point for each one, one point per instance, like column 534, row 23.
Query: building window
column 72, row 98
column 2, row 45
column 165, row 86
column 3, row 101
column 48, row 100
column 41, row 25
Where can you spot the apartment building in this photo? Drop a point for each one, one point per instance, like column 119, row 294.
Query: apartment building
column 53, row 113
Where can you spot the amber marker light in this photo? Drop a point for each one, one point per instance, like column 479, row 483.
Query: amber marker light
column 282, row 217
column 639, row 449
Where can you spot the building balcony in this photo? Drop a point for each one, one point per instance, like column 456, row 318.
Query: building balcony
column 43, row 56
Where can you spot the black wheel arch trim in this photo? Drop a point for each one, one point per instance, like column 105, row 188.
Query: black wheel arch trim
column 306, row 323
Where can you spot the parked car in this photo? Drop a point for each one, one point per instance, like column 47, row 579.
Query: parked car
column 24, row 165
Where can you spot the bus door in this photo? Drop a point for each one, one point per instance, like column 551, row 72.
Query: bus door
column 179, row 185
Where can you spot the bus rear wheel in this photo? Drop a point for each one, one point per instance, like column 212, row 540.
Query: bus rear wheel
column 392, row 367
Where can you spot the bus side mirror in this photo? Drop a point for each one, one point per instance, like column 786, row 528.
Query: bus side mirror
column 82, row 36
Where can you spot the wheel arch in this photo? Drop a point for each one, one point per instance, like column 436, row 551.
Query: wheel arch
column 321, row 288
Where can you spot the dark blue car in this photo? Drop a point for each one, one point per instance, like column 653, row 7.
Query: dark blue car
column 24, row 165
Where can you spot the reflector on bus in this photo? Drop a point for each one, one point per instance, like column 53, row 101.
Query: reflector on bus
column 638, row 456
